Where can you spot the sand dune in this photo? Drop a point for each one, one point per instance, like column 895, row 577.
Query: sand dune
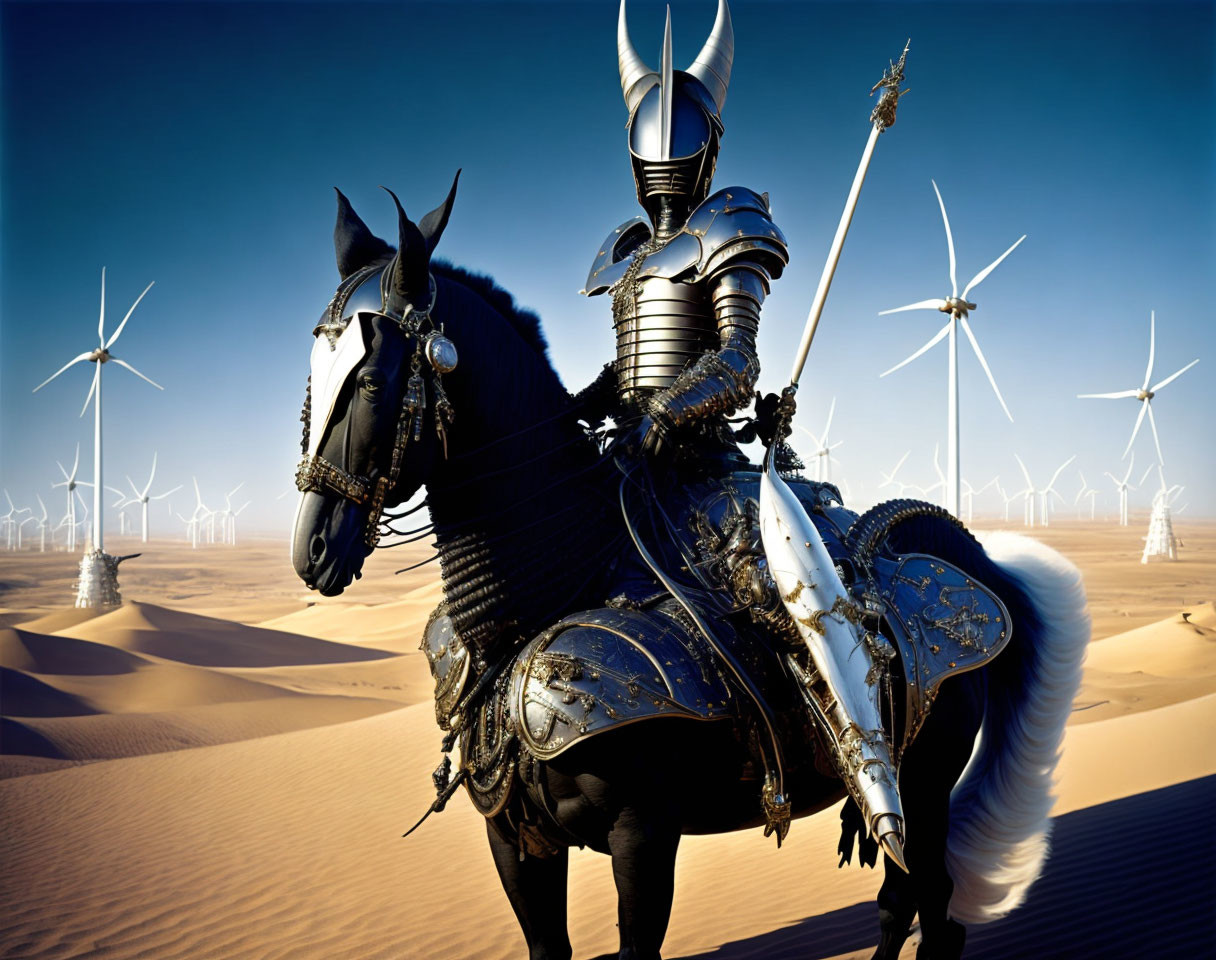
column 394, row 626
column 245, row 788
column 208, row 641
column 91, row 696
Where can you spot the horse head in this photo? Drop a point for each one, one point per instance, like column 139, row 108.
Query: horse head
column 375, row 389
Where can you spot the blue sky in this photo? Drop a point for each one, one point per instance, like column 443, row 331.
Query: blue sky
column 196, row 144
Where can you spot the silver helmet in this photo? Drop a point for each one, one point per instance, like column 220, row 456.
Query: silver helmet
column 675, row 116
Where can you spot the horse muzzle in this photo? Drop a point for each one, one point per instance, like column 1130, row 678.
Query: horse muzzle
column 328, row 545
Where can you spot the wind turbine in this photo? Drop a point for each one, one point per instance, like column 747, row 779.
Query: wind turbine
column 941, row 477
column 1008, row 498
column 1085, row 491
column 70, row 481
column 957, row 307
column 41, row 526
column 1123, row 486
column 1144, row 393
column 226, row 514
column 13, row 524
column 142, row 498
column 9, row 522
column 888, row 479
column 1046, row 493
column 1029, row 493
column 98, row 584
column 232, row 521
column 823, row 448
column 969, row 493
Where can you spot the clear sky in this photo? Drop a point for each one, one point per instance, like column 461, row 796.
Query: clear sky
column 196, row 144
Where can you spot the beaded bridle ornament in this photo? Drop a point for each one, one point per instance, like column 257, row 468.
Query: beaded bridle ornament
column 317, row 474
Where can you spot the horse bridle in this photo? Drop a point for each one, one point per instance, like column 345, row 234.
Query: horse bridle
column 318, row 475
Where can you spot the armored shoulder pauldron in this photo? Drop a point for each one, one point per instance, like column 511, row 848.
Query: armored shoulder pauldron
column 732, row 223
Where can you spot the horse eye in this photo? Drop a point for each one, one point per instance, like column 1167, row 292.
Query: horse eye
column 370, row 387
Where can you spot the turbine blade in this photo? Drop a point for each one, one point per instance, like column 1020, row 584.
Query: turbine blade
column 92, row 389
column 1152, row 422
column 799, row 426
column 928, row 346
column 123, row 363
column 1136, row 428
column 1130, row 465
column 983, row 274
column 900, row 464
column 1056, row 476
column 114, row 335
column 949, row 242
column 170, row 493
column 979, row 355
column 1173, row 377
column 919, row 305
column 828, row 426
column 1025, row 472
column 76, row 462
column 83, row 356
column 101, row 320
column 1152, row 346
column 1108, row 396
column 151, row 477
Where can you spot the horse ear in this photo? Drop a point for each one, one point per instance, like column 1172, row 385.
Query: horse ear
column 433, row 224
column 355, row 246
column 413, row 258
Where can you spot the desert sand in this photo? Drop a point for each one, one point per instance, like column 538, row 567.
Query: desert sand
column 223, row 767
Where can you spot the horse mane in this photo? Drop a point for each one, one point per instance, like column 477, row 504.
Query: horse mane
column 525, row 322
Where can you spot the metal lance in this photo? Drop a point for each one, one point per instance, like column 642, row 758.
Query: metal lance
column 848, row 661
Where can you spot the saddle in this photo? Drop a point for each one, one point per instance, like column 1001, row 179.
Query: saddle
column 714, row 642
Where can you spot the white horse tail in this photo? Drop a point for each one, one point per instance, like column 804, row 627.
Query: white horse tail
column 1000, row 824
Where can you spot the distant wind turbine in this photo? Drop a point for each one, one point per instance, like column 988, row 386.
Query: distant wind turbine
column 1144, row 393
column 957, row 307
column 888, row 479
column 1123, row 486
column 100, row 356
column 142, row 498
column 823, row 447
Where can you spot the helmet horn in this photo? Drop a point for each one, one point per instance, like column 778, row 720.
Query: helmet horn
column 666, row 90
column 633, row 68
column 713, row 63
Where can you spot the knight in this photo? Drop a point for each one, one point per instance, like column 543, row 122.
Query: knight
column 687, row 283
column 688, row 279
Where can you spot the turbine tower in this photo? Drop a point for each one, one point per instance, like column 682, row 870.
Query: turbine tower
column 98, row 583
column 142, row 498
column 41, row 526
column 957, row 308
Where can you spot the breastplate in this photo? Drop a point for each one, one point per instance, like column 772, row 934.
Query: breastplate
column 661, row 327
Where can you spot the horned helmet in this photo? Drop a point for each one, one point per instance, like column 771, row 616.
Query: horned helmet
column 675, row 116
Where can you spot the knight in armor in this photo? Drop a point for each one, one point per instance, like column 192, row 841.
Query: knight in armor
column 687, row 283
column 689, row 278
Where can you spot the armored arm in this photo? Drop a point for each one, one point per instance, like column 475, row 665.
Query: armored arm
column 722, row 380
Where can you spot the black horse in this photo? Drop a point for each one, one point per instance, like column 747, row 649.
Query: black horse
column 527, row 522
